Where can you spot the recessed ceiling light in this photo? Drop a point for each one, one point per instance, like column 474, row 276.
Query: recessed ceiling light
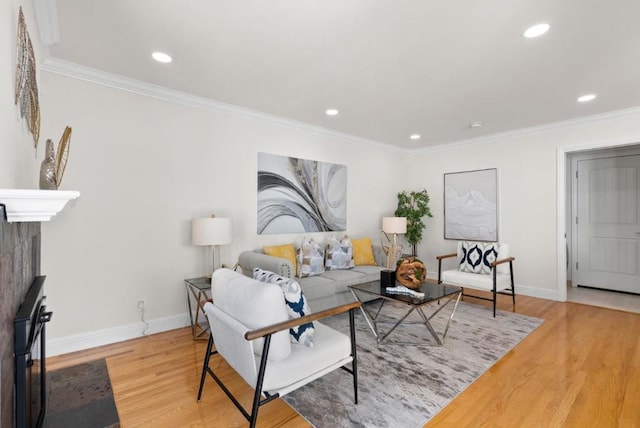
column 415, row 136
column 331, row 112
column 161, row 57
column 586, row 98
column 475, row 124
column 536, row 30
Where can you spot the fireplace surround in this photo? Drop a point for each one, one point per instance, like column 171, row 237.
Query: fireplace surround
column 19, row 266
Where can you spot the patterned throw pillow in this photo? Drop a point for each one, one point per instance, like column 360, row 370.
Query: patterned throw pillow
column 297, row 305
column 339, row 254
column 489, row 255
column 310, row 258
column 363, row 252
column 477, row 257
column 285, row 251
column 471, row 259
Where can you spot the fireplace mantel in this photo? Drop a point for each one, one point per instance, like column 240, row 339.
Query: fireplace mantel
column 24, row 205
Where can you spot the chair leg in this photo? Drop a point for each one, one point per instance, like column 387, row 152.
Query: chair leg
column 513, row 286
column 354, row 363
column 495, row 295
column 258, row 391
column 205, row 365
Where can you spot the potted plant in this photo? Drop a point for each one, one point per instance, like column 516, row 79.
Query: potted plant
column 414, row 206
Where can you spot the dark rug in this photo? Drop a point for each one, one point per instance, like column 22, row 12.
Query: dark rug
column 81, row 397
column 403, row 385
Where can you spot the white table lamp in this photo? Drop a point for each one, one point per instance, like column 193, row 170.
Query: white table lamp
column 396, row 226
column 211, row 231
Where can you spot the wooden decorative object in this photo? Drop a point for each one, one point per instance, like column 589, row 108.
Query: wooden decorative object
column 410, row 272
column 26, row 88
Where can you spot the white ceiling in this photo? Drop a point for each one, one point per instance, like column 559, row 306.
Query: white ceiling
column 391, row 67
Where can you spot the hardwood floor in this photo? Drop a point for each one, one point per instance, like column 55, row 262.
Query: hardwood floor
column 580, row 368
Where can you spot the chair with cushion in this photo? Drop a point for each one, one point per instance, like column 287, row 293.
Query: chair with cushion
column 484, row 266
column 250, row 326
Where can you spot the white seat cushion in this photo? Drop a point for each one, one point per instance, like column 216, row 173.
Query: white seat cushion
column 476, row 280
column 305, row 364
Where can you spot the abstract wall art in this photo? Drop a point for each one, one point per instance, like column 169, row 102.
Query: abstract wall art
column 471, row 205
column 299, row 195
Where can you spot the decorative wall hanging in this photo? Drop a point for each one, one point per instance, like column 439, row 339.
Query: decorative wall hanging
column 26, row 84
column 53, row 166
column 298, row 195
column 471, row 205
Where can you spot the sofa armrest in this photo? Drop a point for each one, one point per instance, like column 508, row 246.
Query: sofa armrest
column 250, row 260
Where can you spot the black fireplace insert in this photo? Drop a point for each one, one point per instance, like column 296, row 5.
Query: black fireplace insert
column 30, row 386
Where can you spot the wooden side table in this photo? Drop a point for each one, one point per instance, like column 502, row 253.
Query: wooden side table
column 200, row 290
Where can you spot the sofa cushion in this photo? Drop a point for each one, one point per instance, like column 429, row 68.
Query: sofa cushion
column 363, row 252
column 285, row 251
column 297, row 305
column 317, row 286
column 255, row 305
column 310, row 258
column 339, row 254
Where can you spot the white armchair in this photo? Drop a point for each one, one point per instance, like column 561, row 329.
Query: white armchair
column 481, row 267
column 250, row 328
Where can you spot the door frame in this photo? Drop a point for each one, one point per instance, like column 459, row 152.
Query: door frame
column 571, row 215
column 564, row 205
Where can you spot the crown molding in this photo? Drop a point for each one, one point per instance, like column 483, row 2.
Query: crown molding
column 99, row 77
column 533, row 130
column 46, row 12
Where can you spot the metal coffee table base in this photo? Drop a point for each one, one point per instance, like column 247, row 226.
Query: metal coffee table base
column 380, row 336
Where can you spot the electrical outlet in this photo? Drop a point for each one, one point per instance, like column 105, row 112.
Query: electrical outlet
column 141, row 305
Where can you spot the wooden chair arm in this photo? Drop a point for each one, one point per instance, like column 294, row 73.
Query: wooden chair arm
column 446, row 256
column 286, row 325
column 499, row 262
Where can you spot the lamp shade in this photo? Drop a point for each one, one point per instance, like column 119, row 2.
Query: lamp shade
column 394, row 225
column 211, row 231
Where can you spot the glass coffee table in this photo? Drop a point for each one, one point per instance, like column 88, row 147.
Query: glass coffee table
column 440, row 295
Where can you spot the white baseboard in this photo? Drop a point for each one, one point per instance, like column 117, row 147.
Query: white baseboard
column 107, row 336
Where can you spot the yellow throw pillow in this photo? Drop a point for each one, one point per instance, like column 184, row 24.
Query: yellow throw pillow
column 363, row 252
column 285, row 251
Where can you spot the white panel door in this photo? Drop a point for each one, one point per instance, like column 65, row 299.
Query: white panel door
column 608, row 224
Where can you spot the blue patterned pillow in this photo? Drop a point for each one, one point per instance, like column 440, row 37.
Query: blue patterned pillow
column 489, row 255
column 297, row 305
column 471, row 257
column 477, row 257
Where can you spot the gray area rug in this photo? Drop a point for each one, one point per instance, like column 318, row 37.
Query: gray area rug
column 405, row 385
column 81, row 396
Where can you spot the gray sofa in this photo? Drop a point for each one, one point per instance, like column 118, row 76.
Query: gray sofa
column 314, row 287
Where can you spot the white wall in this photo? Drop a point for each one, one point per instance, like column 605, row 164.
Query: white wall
column 19, row 167
column 530, row 219
column 145, row 168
